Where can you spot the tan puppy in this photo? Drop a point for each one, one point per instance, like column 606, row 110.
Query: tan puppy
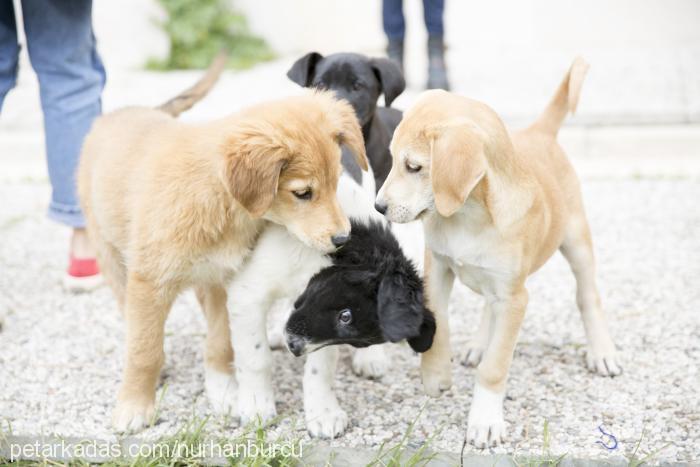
column 171, row 206
column 495, row 206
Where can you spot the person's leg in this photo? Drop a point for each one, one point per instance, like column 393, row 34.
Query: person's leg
column 9, row 49
column 394, row 28
column 63, row 53
column 62, row 50
column 433, row 12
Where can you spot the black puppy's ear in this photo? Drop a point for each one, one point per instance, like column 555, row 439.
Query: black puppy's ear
column 423, row 341
column 303, row 70
column 390, row 78
column 399, row 308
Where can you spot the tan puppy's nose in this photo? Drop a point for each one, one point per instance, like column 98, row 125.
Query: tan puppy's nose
column 340, row 240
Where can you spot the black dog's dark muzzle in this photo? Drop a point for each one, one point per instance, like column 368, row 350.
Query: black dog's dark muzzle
column 296, row 345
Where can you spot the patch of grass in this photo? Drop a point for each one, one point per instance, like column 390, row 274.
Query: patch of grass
column 159, row 403
column 546, row 458
column 633, row 459
column 401, row 454
column 199, row 29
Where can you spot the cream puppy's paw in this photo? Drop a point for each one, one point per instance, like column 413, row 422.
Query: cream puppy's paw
column 485, row 425
column 603, row 363
column 131, row 416
column 472, row 356
column 328, row 422
column 221, row 390
column 370, row 362
column 436, row 380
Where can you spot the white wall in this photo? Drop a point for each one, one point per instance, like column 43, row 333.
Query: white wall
column 299, row 25
column 128, row 34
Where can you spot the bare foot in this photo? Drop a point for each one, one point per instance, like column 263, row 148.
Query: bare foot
column 80, row 246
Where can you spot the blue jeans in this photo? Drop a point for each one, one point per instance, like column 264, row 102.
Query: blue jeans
column 395, row 25
column 62, row 51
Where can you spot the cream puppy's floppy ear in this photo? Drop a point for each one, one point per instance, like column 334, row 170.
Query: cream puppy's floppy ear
column 253, row 171
column 457, row 164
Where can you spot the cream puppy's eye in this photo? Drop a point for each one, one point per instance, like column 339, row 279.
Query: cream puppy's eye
column 304, row 194
column 413, row 168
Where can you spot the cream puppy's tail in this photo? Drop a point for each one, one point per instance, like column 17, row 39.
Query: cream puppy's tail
column 189, row 97
column 565, row 100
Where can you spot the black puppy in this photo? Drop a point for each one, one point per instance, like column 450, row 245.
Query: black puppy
column 370, row 294
column 360, row 80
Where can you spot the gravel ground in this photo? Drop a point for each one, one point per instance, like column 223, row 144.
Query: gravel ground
column 60, row 354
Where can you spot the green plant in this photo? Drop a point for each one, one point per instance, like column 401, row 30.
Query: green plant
column 634, row 461
column 546, row 458
column 401, row 454
column 199, row 29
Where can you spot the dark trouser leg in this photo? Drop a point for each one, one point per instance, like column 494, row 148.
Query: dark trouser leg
column 433, row 11
column 394, row 28
column 9, row 49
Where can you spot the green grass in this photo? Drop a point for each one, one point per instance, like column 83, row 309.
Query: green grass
column 634, row 459
column 401, row 454
column 159, row 403
column 546, row 458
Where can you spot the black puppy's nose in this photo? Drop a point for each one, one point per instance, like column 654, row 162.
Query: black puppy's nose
column 296, row 345
column 340, row 240
column 381, row 208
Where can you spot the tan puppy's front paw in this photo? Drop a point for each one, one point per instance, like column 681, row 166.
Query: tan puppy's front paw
column 436, row 380
column 328, row 424
column 472, row 357
column 130, row 416
column 603, row 363
column 485, row 425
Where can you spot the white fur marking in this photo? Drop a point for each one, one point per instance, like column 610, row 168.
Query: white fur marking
column 221, row 390
column 486, row 426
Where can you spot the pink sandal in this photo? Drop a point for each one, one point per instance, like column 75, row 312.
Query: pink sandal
column 83, row 275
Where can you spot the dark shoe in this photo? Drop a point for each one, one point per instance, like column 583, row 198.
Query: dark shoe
column 395, row 52
column 437, row 72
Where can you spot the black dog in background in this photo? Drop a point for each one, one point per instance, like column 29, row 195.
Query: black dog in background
column 360, row 80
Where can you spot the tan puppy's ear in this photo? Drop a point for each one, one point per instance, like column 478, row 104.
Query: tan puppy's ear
column 350, row 134
column 457, row 164
column 253, row 176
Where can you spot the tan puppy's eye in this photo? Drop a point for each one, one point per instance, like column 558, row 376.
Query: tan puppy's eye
column 413, row 168
column 304, row 194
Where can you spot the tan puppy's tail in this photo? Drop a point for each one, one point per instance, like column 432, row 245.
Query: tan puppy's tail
column 565, row 100
column 189, row 97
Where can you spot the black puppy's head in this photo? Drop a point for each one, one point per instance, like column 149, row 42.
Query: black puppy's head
column 353, row 77
column 370, row 295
